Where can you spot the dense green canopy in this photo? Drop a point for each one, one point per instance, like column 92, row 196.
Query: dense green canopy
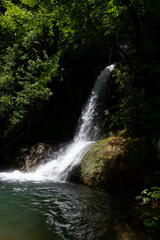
column 43, row 42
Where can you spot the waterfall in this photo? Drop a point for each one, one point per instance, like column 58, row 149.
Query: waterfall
column 60, row 167
column 88, row 126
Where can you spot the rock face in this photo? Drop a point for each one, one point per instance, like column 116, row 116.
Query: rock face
column 29, row 158
column 108, row 166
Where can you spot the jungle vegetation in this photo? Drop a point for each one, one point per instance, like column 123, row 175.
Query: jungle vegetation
column 51, row 52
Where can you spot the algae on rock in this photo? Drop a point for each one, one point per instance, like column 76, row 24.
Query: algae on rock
column 107, row 166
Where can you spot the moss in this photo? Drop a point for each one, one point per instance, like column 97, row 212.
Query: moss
column 103, row 155
column 111, row 166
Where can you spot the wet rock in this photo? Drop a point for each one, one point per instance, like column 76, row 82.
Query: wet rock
column 30, row 157
column 75, row 174
column 108, row 167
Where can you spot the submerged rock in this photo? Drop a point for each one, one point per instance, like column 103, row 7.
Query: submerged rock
column 30, row 157
column 130, row 228
column 108, row 166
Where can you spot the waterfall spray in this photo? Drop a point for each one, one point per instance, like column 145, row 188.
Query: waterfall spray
column 59, row 168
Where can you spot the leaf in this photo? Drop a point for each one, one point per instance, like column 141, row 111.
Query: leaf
column 145, row 200
column 145, row 191
column 150, row 223
column 138, row 198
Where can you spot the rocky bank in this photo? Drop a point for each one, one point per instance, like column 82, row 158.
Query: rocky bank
column 110, row 166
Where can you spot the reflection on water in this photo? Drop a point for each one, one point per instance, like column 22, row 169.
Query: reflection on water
column 54, row 211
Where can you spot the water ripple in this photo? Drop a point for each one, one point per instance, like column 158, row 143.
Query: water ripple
column 38, row 211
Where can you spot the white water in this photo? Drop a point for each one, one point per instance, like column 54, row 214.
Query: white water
column 59, row 168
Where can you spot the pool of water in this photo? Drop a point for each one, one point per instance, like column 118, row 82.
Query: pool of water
column 55, row 211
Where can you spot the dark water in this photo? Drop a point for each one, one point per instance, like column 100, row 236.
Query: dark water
column 54, row 211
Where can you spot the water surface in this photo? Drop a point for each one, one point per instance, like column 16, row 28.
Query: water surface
column 55, row 211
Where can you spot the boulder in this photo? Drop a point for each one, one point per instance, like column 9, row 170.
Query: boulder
column 108, row 166
column 30, row 157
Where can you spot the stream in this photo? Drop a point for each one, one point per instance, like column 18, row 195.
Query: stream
column 55, row 211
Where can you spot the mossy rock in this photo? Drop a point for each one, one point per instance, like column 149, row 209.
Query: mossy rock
column 107, row 166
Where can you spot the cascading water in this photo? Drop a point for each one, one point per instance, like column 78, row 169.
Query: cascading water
column 59, row 168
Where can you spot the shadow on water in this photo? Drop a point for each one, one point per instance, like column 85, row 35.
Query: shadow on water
column 55, row 211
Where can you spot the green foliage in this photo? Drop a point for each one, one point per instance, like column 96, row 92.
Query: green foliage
column 150, row 209
column 36, row 37
column 30, row 3
column 23, row 83
column 130, row 102
column 26, row 68
column 151, row 196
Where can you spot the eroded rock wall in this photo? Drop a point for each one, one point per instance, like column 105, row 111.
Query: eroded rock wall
column 30, row 157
